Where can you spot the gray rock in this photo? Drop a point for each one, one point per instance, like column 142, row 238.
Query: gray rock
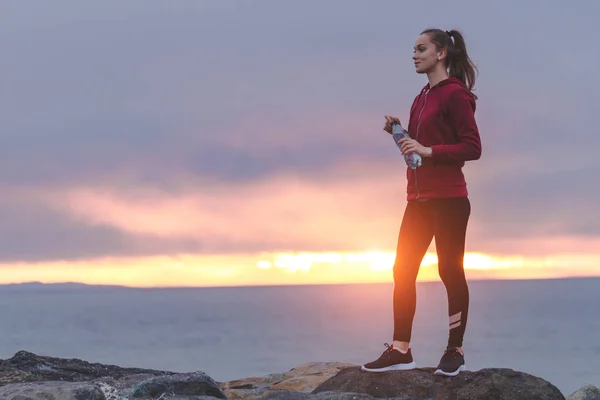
column 276, row 394
column 191, row 398
column 588, row 392
column 194, row 384
column 29, row 367
column 421, row 384
column 348, row 396
column 291, row 395
column 123, row 383
column 51, row 391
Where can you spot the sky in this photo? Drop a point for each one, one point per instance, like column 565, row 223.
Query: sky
column 216, row 142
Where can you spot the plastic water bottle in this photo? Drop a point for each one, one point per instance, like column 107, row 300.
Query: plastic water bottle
column 413, row 160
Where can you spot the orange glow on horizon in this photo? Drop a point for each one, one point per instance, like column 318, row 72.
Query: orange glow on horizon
column 285, row 269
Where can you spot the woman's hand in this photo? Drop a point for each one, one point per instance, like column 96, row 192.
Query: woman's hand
column 412, row 146
column 388, row 123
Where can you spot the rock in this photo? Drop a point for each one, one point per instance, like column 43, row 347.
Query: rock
column 194, row 384
column 587, row 392
column 191, row 398
column 51, row 391
column 29, row 367
column 489, row 384
column 271, row 394
column 55, row 378
column 124, row 383
column 291, row 395
column 29, row 376
column 343, row 396
column 304, row 379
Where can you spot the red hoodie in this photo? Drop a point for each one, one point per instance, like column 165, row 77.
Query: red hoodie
column 443, row 118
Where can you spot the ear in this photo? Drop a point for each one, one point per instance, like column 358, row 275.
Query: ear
column 442, row 54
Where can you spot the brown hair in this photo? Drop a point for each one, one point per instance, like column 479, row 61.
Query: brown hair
column 457, row 60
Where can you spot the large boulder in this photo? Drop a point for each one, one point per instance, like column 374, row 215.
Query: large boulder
column 190, row 384
column 29, row 367
column 488, row 384
column 30, row 376
column 302, row 379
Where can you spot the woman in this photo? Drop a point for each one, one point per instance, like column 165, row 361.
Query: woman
column 444, row 133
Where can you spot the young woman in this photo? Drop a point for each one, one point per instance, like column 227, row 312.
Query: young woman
column 444, row 132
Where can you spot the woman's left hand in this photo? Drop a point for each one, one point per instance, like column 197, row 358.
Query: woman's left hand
column 412, row 146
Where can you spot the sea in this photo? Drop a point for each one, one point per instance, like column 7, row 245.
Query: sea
column 548, row 328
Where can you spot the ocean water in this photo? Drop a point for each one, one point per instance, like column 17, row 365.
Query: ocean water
column 549, row 328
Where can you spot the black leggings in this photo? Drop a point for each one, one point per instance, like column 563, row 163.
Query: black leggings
column 445, row 219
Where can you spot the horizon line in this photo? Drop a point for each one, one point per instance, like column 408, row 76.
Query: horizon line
column 274, row 285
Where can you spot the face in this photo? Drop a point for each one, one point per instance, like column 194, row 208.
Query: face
column 425, row 55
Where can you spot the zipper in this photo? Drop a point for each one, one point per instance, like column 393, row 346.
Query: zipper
column 417, row 139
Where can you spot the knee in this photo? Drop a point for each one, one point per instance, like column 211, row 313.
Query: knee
column 452, row 274
column 405, row 272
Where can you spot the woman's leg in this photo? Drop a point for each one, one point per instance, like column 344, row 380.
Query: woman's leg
column 451, row 219
column 414, row 238
column 416, row 233
column 452, row 216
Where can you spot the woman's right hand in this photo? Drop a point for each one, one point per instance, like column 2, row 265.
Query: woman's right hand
column 388, row 123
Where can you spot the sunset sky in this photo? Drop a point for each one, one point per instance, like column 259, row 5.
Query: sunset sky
column 215, row 142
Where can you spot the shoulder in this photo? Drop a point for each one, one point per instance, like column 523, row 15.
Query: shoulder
column 456, row 88
column 457, row 94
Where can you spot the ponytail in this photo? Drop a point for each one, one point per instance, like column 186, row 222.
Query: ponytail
column 458, row 63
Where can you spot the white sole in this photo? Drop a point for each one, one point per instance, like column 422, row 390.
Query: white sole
column 397, row 367
column 453, row 373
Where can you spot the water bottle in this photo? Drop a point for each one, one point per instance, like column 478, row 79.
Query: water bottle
column 413, row 160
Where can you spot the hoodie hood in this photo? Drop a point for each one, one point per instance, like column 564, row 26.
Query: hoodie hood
column 448, row 81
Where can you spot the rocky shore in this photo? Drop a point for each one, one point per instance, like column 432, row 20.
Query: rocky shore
column 27, row 376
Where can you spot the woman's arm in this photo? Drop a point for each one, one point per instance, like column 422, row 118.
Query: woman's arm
column 461, row 114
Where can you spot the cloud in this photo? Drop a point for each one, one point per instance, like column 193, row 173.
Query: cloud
column 284, row 212
column 351, row 207
column 33, row 232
